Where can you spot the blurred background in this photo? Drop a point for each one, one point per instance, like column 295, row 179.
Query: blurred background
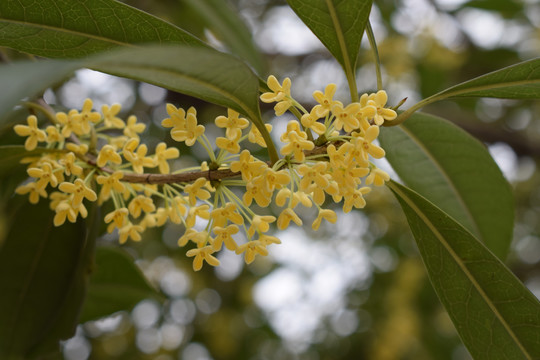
column 356, row 289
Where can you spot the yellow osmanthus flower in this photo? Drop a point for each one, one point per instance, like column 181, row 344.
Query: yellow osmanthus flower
column 33, row 133
column 379, row 100
column 109, row 116
column 228, row 144
column 309, row 121
column 346, row 116
column 44, row 175
column 53, row 135
column 133, row 128
column 33, row 192
column 108, row 154
column 141, row 203
column 281, row 94
column 108, row 183
column 222, row 215
column 197, row 211
column 275, row 179
column 326, row 214
column 248, row 166
column 355, row 199
column 138, row 158
column 232, row 123
column 296, row 141
column 325, row 101
column 117, row 219
column 130, row 230
column 71, row 123
column 257, row 189
column 224, row 236
column 195, row 191
column 366, row 142
column 251, row 249
column 260, row 224
column 163, row 154
column 286, row 216
column 203, row 254
column 79, row 190
column 70, row 168
column 255, row 135
column 190, row 132
column 377, row 177
column 87, row 115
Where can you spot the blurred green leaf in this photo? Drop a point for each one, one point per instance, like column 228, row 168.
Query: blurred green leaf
column 77, row 28
column 43, row 275
column 519, row 81
column 116, row 284
column 339, row 24
column 454, row 171
column 227, row 26
column 11, row 156
column 496, row 316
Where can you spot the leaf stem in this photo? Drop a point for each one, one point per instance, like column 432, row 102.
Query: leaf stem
column 375, row 51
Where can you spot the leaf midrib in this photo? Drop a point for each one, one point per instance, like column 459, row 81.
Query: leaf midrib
column 70, row 32
column 462, row 266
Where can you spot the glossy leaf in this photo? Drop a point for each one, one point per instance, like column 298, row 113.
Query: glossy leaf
column 116, row 284
column 228, row 27
column 44, row 281
column 77, row 28
column 339, row 24
column 493, row 312
column 454, row 171
column 519, row 81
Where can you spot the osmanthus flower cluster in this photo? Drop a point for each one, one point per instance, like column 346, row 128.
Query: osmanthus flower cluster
column 98, row 157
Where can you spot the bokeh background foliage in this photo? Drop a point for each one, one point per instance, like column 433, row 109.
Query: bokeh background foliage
column 356, row 289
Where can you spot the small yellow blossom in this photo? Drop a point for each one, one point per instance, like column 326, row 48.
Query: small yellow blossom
column 346, row 117
column 200, row 254
column 117, row 219
column 108, row 183
column 355, row 199
column 110, row 118
column 296, row 142
column 87, row 115
column 258, row 190
column 224, row 236
column 195, row 191
column 221, row 215
column 326, row 214
column 53, row 135
column 68, row 161
column 281, row 94
column 378, row 100
column 325, row 101
column 141, row 203
column 130, row 231
column 286, row 216
column 248, row 166
column 190, row 133
column 138, row 158
column 309, row 121
column 197, row 211
column 163, row 154
column 377, row 177
column 79, row 149
column 228, row 144
column 260, row 224
column 251, row 249
column 31, row 130
column 108, row 154
column 255, row 135
column 71, row 123
column 44, row 175
column 133, row 128
column 33, row 192
column 232, row 123
column 79, row 191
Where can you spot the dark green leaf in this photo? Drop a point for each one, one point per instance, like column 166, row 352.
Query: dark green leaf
column 11, row 156
column 228, row 27
column 339, row 24
column 116, row 284
column 519, row 81
column 77, row 28
column 456, row 172
column 43, row 275
column 493, row 312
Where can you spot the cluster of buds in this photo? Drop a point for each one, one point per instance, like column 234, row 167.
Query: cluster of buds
column 87, row 160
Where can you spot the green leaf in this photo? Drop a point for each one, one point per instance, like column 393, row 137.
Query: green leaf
column 493, row 312
column 454, row 171
column 116, row 284
column 519, row 81
column 43, row 274
column 227, row 26
column 77, row 28
column 11, row 156
column 339, row 24
column 197, row 71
